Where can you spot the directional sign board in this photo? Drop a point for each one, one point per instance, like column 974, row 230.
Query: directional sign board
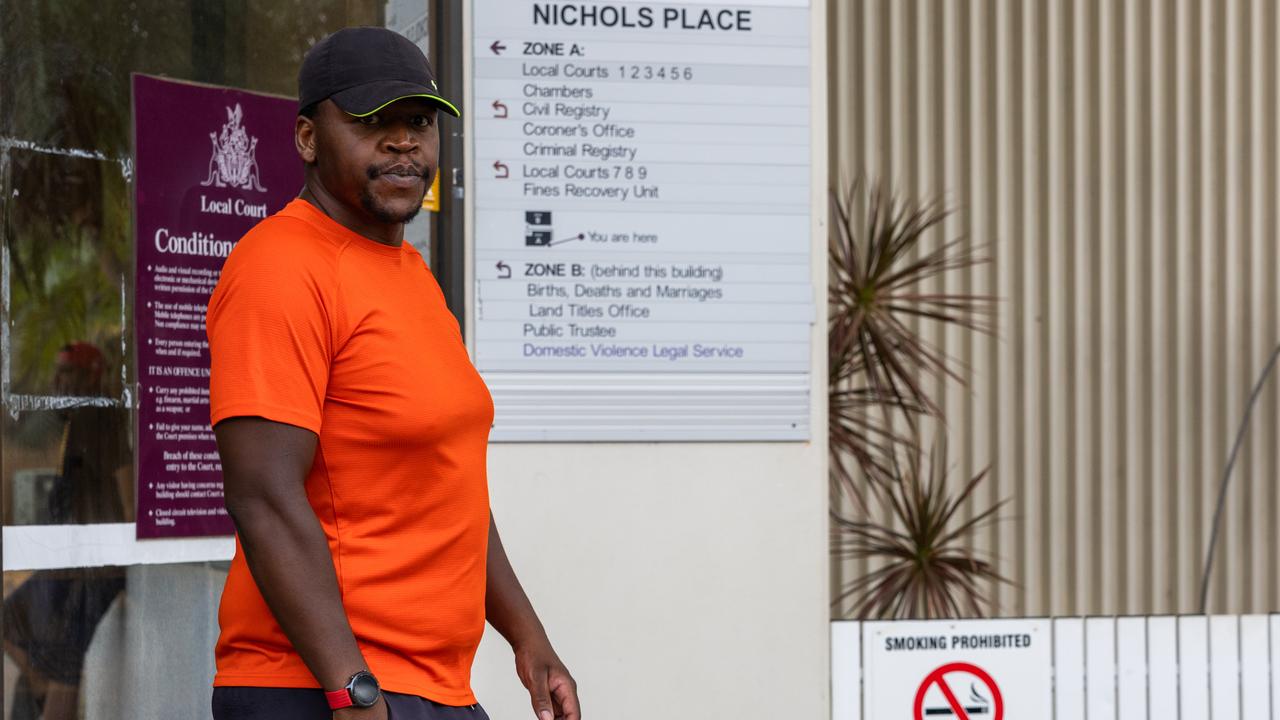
column 642, row 218
column 975, row 670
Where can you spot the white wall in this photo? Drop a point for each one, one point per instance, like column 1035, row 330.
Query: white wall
column 678, row 580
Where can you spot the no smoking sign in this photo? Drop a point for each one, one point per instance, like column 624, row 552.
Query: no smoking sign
column 959, row 690
column 940, row 670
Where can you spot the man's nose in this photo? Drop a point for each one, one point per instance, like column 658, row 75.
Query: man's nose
column 400, row 140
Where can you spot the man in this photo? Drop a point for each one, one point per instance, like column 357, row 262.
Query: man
column 353, row 430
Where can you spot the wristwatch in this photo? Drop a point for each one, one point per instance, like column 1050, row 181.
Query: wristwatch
column 361, row 691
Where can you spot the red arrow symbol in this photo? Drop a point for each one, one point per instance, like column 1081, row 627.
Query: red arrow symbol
column 499, row 110
column 497, row 47
column 503, row 172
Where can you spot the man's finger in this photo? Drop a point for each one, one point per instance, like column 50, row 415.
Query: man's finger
column 565, row 691
column 539, row 696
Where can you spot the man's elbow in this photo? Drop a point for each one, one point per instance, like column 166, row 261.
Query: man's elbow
column 259, row 507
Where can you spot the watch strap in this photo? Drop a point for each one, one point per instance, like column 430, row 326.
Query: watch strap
column 339, row 699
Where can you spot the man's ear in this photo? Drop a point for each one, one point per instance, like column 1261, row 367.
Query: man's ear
column 304, row 139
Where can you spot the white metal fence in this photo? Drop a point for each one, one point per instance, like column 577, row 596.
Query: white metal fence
column 1220, row 667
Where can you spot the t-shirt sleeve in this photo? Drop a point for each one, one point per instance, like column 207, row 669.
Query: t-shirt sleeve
column 270, row 332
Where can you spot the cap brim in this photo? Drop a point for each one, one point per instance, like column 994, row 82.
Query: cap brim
column 367, row 99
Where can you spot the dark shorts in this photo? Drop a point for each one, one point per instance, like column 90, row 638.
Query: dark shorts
column 258, row 703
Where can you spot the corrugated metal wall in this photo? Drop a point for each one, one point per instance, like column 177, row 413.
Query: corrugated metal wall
column 1120, row 159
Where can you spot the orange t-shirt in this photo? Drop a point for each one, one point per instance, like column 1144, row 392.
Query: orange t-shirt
column 318, row 327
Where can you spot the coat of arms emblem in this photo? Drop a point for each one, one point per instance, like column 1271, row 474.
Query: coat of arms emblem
column 234, row 162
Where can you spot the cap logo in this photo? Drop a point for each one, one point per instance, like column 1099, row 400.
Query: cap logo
column 235, row 156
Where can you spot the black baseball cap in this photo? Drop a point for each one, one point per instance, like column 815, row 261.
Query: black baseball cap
column 364, row 69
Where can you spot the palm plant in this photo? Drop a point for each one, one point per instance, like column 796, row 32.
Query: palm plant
column 880, row 369
column 925, row 568
column 877, row 362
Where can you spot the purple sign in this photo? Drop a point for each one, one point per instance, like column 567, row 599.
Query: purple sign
column 209, row 163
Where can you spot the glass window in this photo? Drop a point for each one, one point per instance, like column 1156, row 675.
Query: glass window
column 119, row 641
column 66, row 440
column 110, row 642
column 66, row 453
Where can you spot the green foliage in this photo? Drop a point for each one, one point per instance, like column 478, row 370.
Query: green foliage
column 68, row 263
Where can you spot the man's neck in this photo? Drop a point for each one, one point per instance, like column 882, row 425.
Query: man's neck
column 387, row 234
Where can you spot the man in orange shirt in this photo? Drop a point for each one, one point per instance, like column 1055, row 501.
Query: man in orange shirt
column 353, row 430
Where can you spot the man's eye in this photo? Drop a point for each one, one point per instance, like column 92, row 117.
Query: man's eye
column 368, row 120
column 423, row 120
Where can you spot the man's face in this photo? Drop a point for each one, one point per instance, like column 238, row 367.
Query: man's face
column 379, row 166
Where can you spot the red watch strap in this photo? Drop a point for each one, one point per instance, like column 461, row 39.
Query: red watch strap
column 339, row 699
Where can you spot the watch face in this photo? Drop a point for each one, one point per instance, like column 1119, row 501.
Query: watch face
column 364, row 690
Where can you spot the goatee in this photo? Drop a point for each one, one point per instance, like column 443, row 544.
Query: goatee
column 386, row 215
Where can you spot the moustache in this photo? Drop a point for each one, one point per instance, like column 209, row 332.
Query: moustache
column 406, row 169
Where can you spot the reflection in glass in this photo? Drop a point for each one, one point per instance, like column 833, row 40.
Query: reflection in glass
column 111, row 643
column 69, row 255
column 49, row 621
column 71, row 465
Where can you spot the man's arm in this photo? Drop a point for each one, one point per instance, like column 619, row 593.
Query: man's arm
column 552, row 690
column 264, row 466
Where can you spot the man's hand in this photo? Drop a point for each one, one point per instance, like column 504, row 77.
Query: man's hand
column 377, row 712
column 552, row 690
